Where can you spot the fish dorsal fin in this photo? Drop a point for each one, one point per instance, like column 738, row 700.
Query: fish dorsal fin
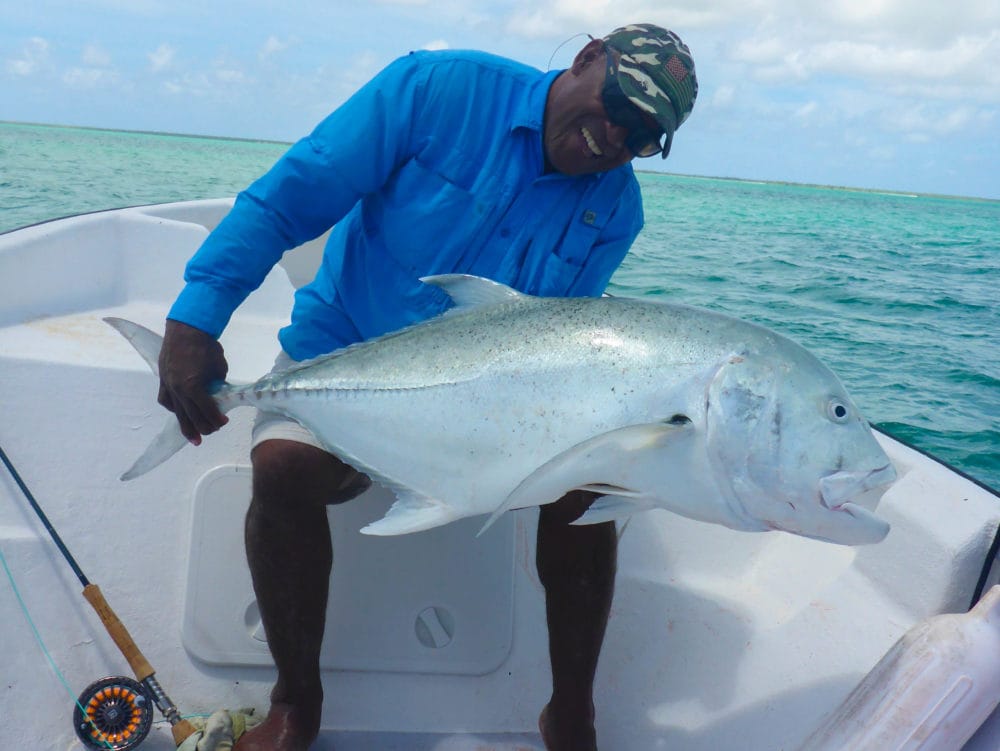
column 468, row 291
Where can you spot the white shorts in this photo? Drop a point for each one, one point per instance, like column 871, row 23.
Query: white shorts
column 270, row 425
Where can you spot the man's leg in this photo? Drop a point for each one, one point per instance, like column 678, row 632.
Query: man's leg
column 290, row 557
column 577, row 568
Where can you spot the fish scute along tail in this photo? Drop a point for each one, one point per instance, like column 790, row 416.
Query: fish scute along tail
column 170, row 440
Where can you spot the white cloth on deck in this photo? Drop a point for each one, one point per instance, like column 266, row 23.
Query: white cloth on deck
column 219, row 731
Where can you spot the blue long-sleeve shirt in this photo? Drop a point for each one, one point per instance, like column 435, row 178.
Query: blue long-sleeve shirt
column 435, row 166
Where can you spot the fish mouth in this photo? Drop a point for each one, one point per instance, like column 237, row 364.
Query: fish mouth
column 850, row 525
column 853, row 497
column 856, row 526
column 844, row 491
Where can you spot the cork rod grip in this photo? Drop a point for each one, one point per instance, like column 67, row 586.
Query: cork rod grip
column 181, row 731
column 117, row 631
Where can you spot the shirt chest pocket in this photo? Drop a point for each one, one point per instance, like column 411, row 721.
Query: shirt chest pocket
column 427, row 222
column 565, row 256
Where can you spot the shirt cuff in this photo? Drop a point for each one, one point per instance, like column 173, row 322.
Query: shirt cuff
column 204, row 307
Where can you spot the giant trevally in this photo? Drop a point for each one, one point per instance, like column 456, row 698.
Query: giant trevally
column 509, row 401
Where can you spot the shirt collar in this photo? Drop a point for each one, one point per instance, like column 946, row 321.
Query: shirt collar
column 530, row 111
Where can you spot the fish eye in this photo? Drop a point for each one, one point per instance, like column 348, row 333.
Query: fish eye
column 837, row 411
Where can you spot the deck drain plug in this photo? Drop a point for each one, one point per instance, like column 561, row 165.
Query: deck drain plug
column 434, row 627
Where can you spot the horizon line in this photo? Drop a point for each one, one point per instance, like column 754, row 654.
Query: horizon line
column 762, row 181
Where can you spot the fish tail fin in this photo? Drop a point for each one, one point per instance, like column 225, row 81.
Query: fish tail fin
column 147, row 343
column 170, row 440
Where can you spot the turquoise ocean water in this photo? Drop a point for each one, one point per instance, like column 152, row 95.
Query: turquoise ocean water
column 898, row 294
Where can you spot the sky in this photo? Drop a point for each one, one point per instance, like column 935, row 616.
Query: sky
column 900, row 95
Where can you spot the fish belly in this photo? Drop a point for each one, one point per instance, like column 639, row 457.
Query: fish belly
column 466, row 445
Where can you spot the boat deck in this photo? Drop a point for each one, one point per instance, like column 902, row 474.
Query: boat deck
column 427, row 742
column 718, row 640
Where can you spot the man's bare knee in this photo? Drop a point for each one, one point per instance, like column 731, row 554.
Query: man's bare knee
column 292, row 472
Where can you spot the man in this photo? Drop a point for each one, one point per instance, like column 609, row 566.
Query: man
column 444, row 162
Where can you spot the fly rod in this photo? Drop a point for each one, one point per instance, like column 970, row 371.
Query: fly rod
column 112, row 713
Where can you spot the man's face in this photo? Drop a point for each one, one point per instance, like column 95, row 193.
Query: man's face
column 579, row 139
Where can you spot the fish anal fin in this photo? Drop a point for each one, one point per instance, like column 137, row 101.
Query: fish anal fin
column 410, row 513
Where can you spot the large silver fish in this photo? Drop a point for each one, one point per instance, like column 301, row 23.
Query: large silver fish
column 509, row 401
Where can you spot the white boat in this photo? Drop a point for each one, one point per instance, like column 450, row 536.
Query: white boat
column 718, row 640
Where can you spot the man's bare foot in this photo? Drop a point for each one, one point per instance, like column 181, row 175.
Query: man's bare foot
column 287, row 728
column 571, row 734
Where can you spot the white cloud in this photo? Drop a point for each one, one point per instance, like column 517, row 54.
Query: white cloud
column 34, row 58
column 359, row 72
column 272, row 46
column 866, row 60
column 95, row 71
column 805, row 111
column 723, row 96
column 132, row 7
column 920, row 121
column 875, row 41
column 781, row 81
column 161, row 58
column 924, row 22
column 89, row 78
column 191, row 84
column 223, row 80
column 94, row 55
column 882, row 153
column 231, row 76
column 560, row 17
column 907, row 87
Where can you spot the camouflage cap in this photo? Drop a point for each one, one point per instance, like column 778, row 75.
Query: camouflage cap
column 656, row 72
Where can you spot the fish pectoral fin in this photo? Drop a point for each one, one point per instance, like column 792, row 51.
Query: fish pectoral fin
column 610, row 508
column 410, row 513
column 593, row 464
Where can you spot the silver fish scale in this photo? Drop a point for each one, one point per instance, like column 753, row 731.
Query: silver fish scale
column 526, row 334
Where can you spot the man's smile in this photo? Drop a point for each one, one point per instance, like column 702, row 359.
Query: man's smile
column 591, row 142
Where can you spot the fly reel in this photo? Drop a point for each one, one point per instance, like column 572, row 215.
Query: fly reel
column 113, row 713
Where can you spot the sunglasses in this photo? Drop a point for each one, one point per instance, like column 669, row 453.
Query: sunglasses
column 643, row 139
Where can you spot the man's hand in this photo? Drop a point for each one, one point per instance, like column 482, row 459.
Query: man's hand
column 190, row 362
